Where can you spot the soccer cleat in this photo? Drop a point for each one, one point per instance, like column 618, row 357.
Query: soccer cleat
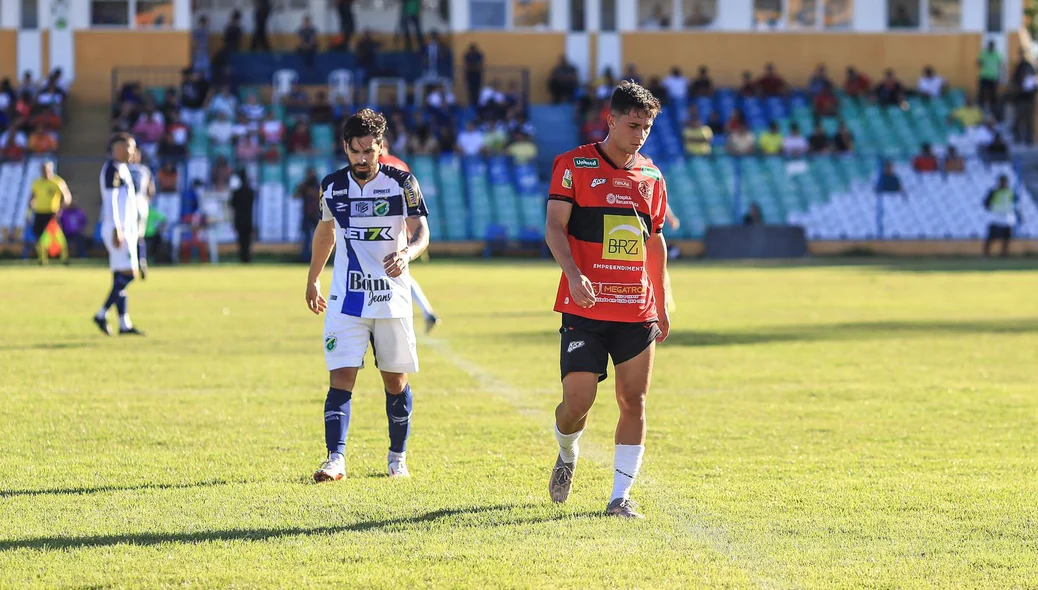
column 623, row 508
column 143, row 268
column 131, row 332
column 431, row 321
column 102, row 324
column 398, row 465
column 330, row 470
column 561, row 480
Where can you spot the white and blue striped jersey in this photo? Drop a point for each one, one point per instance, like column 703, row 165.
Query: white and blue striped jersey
column 118, row 199
column 141, row 176
column 370, row 225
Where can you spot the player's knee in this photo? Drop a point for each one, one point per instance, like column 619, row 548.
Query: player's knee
column 394, row 382
column 632, row 402
column 344, row 378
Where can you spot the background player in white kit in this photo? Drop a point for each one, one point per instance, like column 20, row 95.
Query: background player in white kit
column 119, row 231
column 144, row 184
column 367, row 213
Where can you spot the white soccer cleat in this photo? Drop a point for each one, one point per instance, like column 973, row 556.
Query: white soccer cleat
column 398, row 465
column 330, row 470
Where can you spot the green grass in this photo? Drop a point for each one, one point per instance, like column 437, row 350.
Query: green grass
column 811, row 426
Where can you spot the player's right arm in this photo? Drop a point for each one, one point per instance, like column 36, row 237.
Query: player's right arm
column 323, row 242
column 556, row 234
column 110, row 188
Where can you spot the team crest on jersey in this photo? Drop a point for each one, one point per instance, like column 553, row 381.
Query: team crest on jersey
column 382, row 207
column 330, row 342
column 567, row 179
column 410, row 194
column 645, row 189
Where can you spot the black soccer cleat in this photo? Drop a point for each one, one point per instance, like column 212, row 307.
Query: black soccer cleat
column 102, row 324
column 131, row 332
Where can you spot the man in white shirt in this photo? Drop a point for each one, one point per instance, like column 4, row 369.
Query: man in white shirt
column 223, row 102
column 930, row 84
column 221, row 131
column 794, row 145
column 471, row 141
column 676, row 85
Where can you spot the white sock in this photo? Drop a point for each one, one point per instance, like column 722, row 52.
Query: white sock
column 101, row 313
column 336, row 457
column 421, row 299
column 397, row 456
column 124, row 322
column 568, row 447
column 626, row 462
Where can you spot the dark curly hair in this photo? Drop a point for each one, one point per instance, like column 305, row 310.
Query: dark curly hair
column 630, row 96
column 363, row 123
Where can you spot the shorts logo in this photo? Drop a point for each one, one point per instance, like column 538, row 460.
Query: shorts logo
column 410, row 194
column 574, row 345
column 330, row 342
column 645, row 189
column 567, row 179
column 622, row 238
column 622, row 183
column 651, row 172
column 585, row 162
column 382, row 207
column 597, row 182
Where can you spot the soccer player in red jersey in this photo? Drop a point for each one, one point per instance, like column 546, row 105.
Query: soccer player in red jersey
column 606, row 211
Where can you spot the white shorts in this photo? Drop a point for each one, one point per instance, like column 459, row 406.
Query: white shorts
column 346, row 341
column 123, row 258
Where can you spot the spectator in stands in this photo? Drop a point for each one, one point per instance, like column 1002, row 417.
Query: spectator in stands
column 606, row 84
column 436, row 56
column 252, row 109
column 998, row 149
column 471, row 141
column 148, row 130
column 232, row 34
column 495, row 136
column 753, row 216
column 178, row 131
column 819, row 81
column 983, row 135
column 857, row 84
column 770, row 142
column 7, row 94
column 299, row 140
column 843, row 141
column 889, row 181
column 1023, row 85
column 446, row 138
column 657, row 20
column 309, row 194
column 49, row 96
column 1002, row 204
column 193, row 93
column 223, row 102
column 703, row 85
column 411, row 21
column 167, row 181
column 925, row 160
column 716, row 124
column 889, row 92
column 170, row 102
column 307, row 47
column 261, row 14
column 656, row 87
column 366, row 55
column 41, row 142
column 321, row 112
column 953, row 162
column 826, row 104
column 522, row 149
column 248, row 148
column 243, row 200
column 749, row 87
column 771, row 84
column 990, row 63
column 735, row 121
column 297, row 103
column 73, row 222
column 741, row 141
column 562, row 82
column 272, row 130
column 27, row 85
column 13, row 143
column 930, row 85
column 192, row 235
column 220, row 130
column 50, row 121
column 968, row 115
column 795, row 144
column 698, row 138
column 474, row 69
column 347, row 24
column 491, row 101
column 220, row 175
column 423, row 142
column 632, row 74
column 515, row 99
column 200, row 45
column 676, row 85
column 818, row 142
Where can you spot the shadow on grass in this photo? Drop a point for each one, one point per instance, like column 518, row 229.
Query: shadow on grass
column 116, row 488
column 148, row 539
column 825, row 332
column 49, row 346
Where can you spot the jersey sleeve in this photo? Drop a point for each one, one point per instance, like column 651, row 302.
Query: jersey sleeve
column 110, row 178
column 561, row 187
column 326, row 213
column 659, row 211
column 413, row 198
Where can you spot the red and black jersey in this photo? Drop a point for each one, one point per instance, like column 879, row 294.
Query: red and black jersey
column 615, row 211
column 395, row 162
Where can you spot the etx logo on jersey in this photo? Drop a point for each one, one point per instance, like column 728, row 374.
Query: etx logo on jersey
column 597, row 182
column 378, row 289
column 368, row 234
column 586, row 162
column 381, row 207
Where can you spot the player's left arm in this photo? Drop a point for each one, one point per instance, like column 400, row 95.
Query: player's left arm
column 417, row 227
column 656, row 260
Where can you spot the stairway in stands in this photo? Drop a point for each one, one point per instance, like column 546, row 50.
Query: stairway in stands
column 557, row 132
column 84, row 139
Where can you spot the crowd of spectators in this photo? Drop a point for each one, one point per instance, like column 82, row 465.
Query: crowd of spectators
column 31, row 115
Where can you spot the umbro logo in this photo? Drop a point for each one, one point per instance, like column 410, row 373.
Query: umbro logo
column 597, row 182
column 574, row 345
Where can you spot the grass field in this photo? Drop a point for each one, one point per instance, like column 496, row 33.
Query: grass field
column 813, row 426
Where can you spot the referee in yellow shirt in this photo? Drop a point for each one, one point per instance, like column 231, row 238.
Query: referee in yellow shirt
column 49, row 195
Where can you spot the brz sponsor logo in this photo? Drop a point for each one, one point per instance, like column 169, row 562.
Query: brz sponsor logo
column 382, row 191
column 368, row 234
column 378, row 290
column 622, row 183
column 597, row 182
column 615, row 199
column 574, row 345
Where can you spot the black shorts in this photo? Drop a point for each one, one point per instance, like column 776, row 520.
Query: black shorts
column 40, row 222
column 587, row 344
column 997, row 231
